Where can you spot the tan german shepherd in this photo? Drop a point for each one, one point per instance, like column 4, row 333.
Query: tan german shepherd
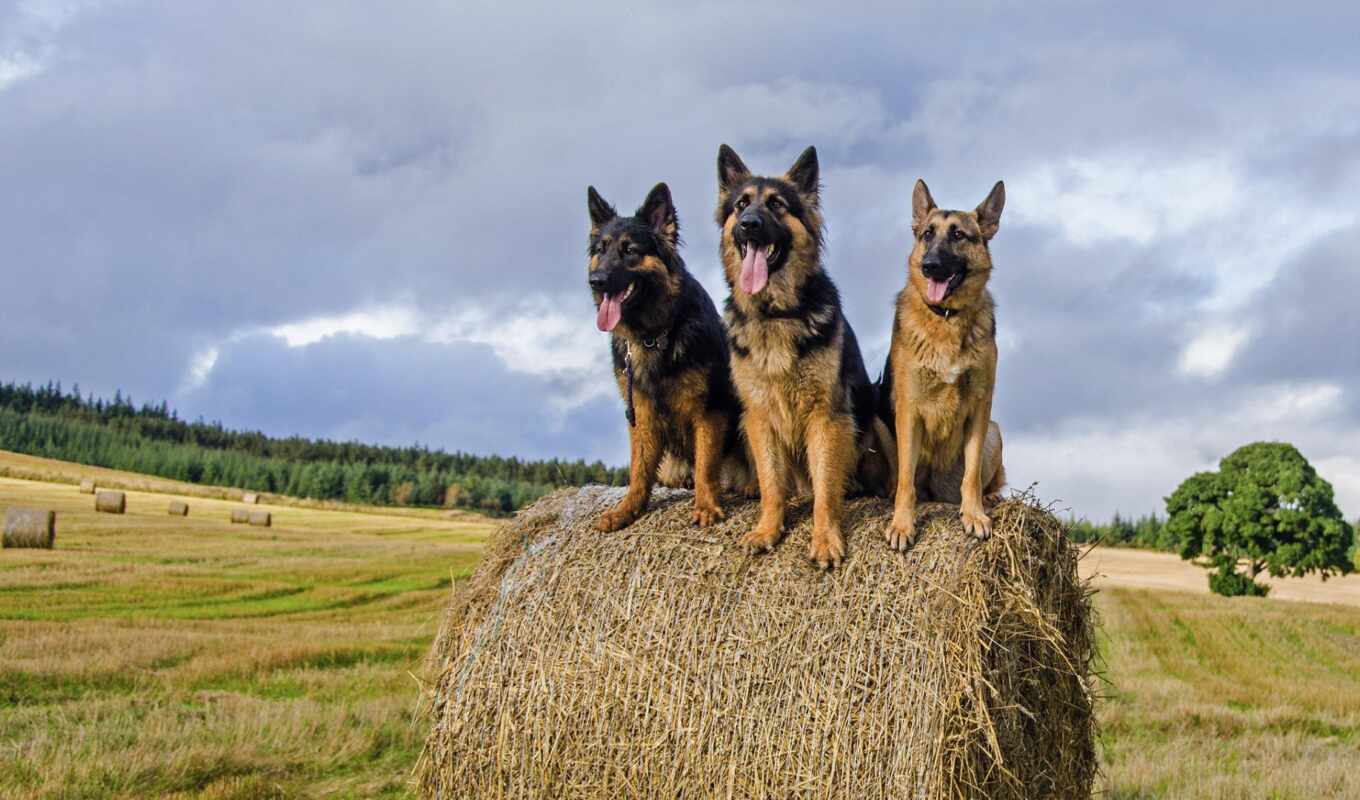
column 938, row 382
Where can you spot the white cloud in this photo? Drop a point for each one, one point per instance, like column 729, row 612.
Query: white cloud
column 17, row 67
column 1288, row 405
column 1212, row 351
column 387, row 322
column 535, row 337
column 1116, row 196
column 28, row 43
column 1099, row 466
column 538, row 338
column 199, row 369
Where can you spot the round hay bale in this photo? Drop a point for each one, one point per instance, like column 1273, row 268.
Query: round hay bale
column 110, row 502
column 29, row 527
column 178, row 508
column 240, row 516
column 662, row 661
column 261, row 519
column 87, row 486
column 250, row 498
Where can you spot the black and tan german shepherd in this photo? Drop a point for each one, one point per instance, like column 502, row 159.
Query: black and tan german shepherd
column 941, row 370
column 809, row 405
column 670, row 357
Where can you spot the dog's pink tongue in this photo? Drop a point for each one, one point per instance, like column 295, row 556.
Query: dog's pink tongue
column 609, row 314
column 936, row 290
column 755, row 270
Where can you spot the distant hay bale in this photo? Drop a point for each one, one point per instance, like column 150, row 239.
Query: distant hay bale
column 663, row 662
column 261, row 519
column 29, row 527
column 178, row 508
column 240, row 516
column 250, row 498
column 110, row 502
column 87, row 486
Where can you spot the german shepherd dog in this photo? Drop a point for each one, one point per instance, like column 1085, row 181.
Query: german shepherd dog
column 941, row 371
column 670, row 357
column 809, row 405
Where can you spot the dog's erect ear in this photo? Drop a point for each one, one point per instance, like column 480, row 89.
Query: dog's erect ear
column 805, row 174
column 731, row 171
column 989, row 211
column 921, row 206
column 659, row 212
column 600, row 211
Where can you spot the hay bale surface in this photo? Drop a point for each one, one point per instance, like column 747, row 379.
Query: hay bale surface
column 29, row 527
column 662, row 661
column 87, row 486
column 178, row 508
column 250, row 498
column 240, row 516
column 261, row 519
column 110, row 502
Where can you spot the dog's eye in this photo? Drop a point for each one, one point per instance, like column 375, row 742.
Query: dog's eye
column 630, row 249
column 956, row 235
column 742, row 203
column 927, row 234
column 776, row 204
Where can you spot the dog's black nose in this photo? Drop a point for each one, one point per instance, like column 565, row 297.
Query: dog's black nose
column 750, row 222
column 598, row 280
column 935, row 265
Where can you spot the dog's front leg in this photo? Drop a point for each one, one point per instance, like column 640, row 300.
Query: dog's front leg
column 709, row 432
column 645, row 444
column 902, row 530
column 830, row 457
column 771, row 472
column 974, row 516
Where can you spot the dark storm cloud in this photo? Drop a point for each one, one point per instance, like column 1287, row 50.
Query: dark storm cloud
column 176, row 179
column 1305, row 325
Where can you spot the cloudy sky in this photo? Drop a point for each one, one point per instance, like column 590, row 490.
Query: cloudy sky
column 362, row 220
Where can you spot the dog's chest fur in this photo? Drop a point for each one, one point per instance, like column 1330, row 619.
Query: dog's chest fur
column 775, row 370
column 948, row 366
column 676, row 392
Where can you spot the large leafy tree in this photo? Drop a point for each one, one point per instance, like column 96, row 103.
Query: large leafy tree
column 1265, row 508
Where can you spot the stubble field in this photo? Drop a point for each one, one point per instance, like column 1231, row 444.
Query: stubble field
column 156, row 656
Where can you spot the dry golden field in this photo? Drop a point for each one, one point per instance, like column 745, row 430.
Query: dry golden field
column 158, row 656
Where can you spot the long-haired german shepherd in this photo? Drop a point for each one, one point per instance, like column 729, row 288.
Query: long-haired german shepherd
column 809, row 407
column 670, row 356
column 941, row 370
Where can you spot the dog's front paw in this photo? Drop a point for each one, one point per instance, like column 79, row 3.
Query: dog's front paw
column 901, row 531
column 707, row 512
column 761, row 538
column 976, row 523
column 828, row 547
column 615, row 519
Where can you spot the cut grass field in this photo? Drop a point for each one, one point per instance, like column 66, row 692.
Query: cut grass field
column 1212, row 697
column 158, row 656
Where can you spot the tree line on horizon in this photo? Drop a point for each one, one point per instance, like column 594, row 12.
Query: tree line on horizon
column 151, row 439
